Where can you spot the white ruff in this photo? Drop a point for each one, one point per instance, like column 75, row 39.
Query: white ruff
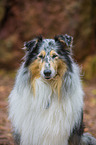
column 42, row 120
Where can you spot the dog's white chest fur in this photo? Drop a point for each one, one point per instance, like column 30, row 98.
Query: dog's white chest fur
column 43, row 120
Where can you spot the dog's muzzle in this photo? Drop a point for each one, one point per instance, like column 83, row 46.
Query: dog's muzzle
column 47, row 74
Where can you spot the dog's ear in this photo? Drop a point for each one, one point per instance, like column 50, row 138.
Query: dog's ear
column 31, row 45
column 66, row 40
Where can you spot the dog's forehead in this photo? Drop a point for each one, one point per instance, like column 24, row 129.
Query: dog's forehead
column 48, row 45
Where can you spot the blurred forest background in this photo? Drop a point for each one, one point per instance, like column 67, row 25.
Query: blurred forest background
column 22, row 20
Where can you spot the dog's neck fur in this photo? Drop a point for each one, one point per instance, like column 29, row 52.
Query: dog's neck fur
column 55, row 85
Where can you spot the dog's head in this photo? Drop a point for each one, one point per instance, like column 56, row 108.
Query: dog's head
column 49, row 58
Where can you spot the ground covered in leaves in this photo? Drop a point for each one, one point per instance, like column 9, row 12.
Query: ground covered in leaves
column 6, row 84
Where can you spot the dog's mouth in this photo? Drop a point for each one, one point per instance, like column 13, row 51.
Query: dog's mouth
column 47, row 78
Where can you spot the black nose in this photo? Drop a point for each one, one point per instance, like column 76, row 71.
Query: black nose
column 47, row 73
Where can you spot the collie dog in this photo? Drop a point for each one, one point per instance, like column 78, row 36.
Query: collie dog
column 46, row 103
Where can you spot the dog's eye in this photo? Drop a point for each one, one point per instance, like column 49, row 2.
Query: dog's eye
column 41, row 56
column 54, row 55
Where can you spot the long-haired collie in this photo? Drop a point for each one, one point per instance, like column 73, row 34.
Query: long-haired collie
column 46, row 103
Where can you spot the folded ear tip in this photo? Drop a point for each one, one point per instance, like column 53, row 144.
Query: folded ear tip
column 56, row 38
column 69, row 39
column 40, row 38
column 66, row 39
column 68, row 36
column 25, row 43
column 25, row 46
column 31, row 44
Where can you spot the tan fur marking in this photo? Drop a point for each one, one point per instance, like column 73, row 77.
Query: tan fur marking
column 61, row 40
column 35, row 73
column 52, row 52
column 43, row 53
column 56, row 82
column 36, row 66
column 35, row 69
